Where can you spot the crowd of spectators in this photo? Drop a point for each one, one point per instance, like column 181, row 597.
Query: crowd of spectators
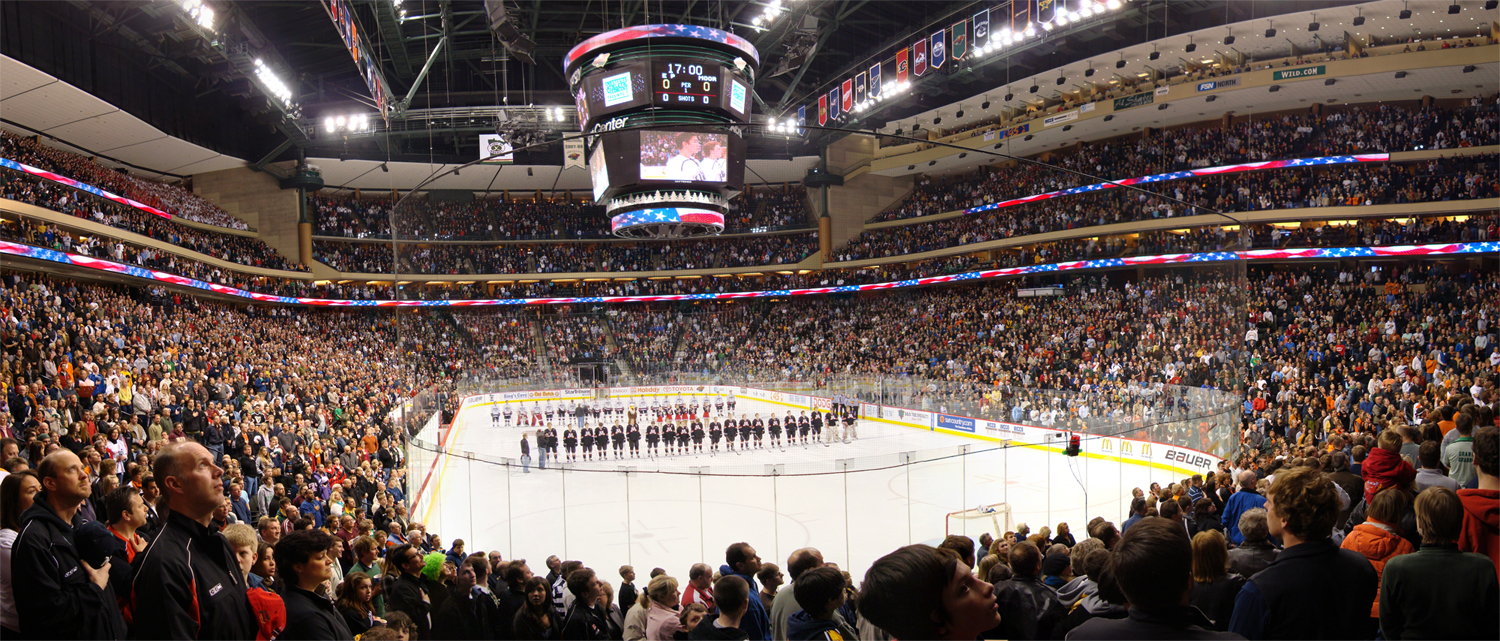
column 1359, row 129
column 576, row 338
column 1462, row 178
column 144, row 418
column 554, row 258
column 648, row 337
column 172, row 199
column 426, row 218
column 241, row 250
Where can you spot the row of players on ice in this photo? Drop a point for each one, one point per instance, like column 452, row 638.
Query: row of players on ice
column 679, row 428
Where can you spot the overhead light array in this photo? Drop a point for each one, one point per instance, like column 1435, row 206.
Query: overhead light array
column 888, row 91
column 1006, row 38
column 201, row 14
column 1089, row 9
column 273, row 83
column 358, row 123
column 400, row 10
column 555, row 114
column 764, row 20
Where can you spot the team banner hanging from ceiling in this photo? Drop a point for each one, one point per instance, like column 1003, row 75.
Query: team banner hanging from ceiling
column 848, row 95
column 960, row 39
column 982, row 29
column 859, row 88
column 1046, row 10
column 903, row 65
column 939, row 50
column 573, row 151
column 833, row 104
column 875, row 80
column 802, row 120
column 823, row 111
column 919, row 60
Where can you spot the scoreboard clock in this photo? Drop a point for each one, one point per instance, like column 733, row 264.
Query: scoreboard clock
column 685, row 84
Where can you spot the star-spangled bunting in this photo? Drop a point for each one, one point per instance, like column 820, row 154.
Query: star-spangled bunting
column 583, row 49
column 666, row 215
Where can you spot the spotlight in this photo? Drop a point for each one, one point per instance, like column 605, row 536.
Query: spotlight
column 1329, row 82
column 1270, row 33
column 1047, row 26
column 1228, row 40
column 1359, row 21
column 1453, row 9
column 1314, row 26
column 1120, row 64
column 1405, row 14
column 1153, row 55
column 1400, row 75
column 1275, row 88
column 1191, row 47
column 330, row 125
column 1113, row 4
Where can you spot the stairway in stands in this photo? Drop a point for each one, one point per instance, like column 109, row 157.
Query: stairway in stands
column 539, row 346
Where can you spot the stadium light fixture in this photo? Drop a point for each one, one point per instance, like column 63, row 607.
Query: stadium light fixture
column 200, row 13
column 1114, row 5
column 273, row 83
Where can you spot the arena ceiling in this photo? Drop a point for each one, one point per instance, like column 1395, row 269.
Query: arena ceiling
column 196, row 85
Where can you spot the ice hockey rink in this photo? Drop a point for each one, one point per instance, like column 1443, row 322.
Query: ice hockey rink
column 893, row 486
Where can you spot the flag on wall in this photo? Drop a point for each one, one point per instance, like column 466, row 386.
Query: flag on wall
column 859, row 88
column 802, row 120
column 875, row 79
column 833, row 105
column 939, row 49
column 960, row 39
column 982, row 29
column 823, row 111
column 848, row 95
column 919, row 58
column 903, row 65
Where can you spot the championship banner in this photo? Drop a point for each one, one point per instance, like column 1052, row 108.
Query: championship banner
column 573, row 151
column 939, row 49
column 960, row 39
column 919, row 59
column 1046, row 10
column 848, row 95
column 875, row 80
column 823, row 111
column 982, row 29
column 802, row 120
column 859, row 88
column 833, row 104
column 902, row 65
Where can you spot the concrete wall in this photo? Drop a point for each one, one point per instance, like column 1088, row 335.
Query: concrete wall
column 258, row 199
column 862, row 196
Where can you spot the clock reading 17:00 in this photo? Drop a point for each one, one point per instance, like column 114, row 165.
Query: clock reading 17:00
column 685, row 83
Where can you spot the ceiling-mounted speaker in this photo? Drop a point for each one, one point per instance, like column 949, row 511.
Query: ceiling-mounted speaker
column 1088, row 73
column 1275, row 88
column 1314, row 26
column 1400, row 74
column 1329, row 82
column 1034, row 88
column 1153, row 55
column 1270, row 33
column 1028, row 137
column 1067, row 127
column 1109, row 118
column 1162, row 107
column 985, row 105
column 1453, row 9
column 960, row 114
column 1228, row 40
column 1191, row 47
column 938, row 120
column 1119, row 64
column 1061, row 80
column 1405, row 14
column 1490, row 5
column 1469, row 68
column 1359, row 21
column 505, row 29
column 1210, row 99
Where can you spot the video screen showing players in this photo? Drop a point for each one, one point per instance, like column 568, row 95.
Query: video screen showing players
column 684, row 156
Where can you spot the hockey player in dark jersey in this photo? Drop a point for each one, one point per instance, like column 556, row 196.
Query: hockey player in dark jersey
column 617, row 438
column 653, row 437
column 715, row 432
column 759, row 428
column 669, row 438
column 817, row 426
column 570, row 443
column 697, row 427
column 803, row 427
column 633, row 434
column 849, row 426
column 773, row 425
column 731, row 430
column 747, row 429
column 586, row 439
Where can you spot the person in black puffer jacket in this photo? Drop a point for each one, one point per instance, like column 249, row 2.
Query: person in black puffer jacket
column 303, row 563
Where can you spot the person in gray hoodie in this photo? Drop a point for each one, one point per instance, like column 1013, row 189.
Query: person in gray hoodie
column 1081, row 585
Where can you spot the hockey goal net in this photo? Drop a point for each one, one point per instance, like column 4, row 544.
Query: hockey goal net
column 994, row 518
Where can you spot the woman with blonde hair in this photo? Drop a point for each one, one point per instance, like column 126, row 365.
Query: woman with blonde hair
column 1214, row 588
column 659, row 600
column 1064, row 536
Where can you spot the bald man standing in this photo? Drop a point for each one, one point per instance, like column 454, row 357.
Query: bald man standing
column 188, row 584
column 1243, row 501
column 58, row 595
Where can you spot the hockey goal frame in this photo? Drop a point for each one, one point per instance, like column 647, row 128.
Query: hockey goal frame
column 998, row 514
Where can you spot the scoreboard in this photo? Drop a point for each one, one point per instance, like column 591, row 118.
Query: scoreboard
column 685, row 84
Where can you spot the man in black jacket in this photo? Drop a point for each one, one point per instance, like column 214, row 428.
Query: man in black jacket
column 303, row 564
column 1028, row 608
column 464, row 614
column 516, row 574
column 188, row 584
column 58, row 596
column 407, row 594
column 584, row 621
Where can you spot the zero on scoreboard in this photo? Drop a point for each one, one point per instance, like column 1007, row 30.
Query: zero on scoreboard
column 685, row 83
